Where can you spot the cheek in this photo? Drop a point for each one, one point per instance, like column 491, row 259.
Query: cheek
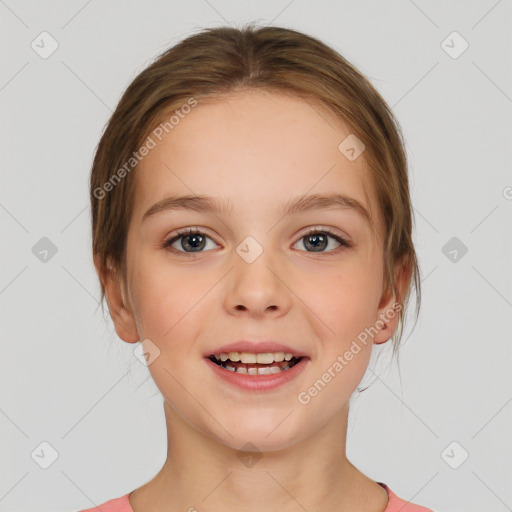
column 170, row 306
column 346, row 300
column 160, row 296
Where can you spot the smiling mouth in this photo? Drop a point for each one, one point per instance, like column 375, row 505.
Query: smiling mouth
column 254, row 368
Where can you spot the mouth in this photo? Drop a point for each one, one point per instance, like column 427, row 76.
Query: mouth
column 248, row 363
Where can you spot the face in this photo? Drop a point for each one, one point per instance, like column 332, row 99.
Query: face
column 254, row 272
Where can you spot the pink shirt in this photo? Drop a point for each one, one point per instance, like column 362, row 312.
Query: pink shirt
column 395, row 504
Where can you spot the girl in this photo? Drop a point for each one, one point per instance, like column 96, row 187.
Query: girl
column 252, row 226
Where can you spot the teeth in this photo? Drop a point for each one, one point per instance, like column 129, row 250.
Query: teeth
column 234, row 356
column 250, row 358
column 269, row 370
column 226, row 361
column 266, row 370
column 246, row 357
column 265, row 358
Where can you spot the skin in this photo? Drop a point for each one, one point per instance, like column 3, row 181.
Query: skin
column 257, row 149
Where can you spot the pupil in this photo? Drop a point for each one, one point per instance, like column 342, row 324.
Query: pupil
column 319, row 238
column 196, row 244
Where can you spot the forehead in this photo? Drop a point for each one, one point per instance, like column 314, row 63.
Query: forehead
column 253, row 146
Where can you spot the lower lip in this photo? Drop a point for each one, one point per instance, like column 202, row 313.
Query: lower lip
column 259, row 382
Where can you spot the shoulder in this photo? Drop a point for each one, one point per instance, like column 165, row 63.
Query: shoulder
column 396, row 504
column 121, row 504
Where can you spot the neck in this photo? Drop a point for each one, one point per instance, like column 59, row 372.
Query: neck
column 204, row 474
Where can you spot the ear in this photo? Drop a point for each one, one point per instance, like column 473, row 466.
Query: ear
column 389, row 307
column 121, row 315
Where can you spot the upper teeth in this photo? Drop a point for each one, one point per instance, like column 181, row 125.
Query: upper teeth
column 262, row 358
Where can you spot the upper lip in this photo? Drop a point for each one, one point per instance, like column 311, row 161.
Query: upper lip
column 254, row 347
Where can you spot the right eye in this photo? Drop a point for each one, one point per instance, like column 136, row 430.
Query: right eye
column 192, row 239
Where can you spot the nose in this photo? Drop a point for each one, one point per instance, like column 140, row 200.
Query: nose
column 258, row 288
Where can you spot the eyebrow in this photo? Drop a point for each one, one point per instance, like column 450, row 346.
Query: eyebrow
column 293, row 206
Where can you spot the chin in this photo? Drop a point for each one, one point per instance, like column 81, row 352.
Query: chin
column 269, row 433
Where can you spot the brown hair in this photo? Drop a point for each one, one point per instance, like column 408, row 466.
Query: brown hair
column 219, row 61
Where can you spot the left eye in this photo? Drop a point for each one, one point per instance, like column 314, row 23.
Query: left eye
column 318, row 240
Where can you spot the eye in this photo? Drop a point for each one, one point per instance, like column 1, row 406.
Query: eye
column 318, row 239
column 192, row 240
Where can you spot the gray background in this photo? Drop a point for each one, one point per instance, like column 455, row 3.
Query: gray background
column 67, row 380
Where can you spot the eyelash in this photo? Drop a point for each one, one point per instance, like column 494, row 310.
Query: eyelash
column 314, row 230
